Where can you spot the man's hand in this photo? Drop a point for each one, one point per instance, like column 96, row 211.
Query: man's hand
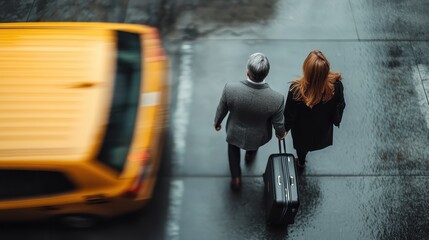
column 217, row 127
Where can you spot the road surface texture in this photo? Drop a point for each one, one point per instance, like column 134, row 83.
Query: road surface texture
column 371, row 184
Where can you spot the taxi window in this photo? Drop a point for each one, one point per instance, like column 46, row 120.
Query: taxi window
column 123, row 112
column 16, row 184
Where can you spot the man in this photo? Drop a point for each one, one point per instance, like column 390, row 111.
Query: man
column 254, row 108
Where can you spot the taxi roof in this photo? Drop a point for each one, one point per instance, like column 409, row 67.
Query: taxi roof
column 55, row 82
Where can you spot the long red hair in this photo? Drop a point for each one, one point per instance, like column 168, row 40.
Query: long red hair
column 317, row 82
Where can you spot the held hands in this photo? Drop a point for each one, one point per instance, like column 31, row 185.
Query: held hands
column 282, row 137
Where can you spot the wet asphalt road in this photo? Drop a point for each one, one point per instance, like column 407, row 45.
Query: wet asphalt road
column 371, row 184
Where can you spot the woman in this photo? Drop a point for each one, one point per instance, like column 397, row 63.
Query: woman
column 311, row 105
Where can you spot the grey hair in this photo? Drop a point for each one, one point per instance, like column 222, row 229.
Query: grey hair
column 258, row 67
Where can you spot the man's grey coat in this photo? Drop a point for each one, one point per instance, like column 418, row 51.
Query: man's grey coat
column 253, row 110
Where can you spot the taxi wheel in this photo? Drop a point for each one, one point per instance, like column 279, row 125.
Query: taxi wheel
column 78, row 221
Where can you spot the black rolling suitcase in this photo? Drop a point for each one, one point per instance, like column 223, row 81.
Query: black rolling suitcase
column 281, row 188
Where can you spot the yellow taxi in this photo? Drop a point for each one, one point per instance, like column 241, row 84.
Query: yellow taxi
column 83, row 108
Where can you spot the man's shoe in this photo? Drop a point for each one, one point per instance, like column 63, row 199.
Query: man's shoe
column 236, row 184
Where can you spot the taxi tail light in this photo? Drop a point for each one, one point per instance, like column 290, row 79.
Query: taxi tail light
column 144, row 159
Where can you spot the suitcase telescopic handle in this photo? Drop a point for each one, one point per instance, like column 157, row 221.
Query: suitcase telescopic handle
column 280, row 145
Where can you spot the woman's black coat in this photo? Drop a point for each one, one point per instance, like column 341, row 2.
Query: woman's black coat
column 312, row 128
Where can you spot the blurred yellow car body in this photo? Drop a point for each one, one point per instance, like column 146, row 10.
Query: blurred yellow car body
column 83, row 107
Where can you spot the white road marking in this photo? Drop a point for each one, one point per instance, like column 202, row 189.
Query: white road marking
column 180, row 124
column 184, row 97
column 174, row 210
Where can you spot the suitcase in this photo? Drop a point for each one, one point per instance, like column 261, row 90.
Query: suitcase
column 281, row 188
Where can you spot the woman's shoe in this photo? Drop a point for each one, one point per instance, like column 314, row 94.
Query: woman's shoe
column 236, row 184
